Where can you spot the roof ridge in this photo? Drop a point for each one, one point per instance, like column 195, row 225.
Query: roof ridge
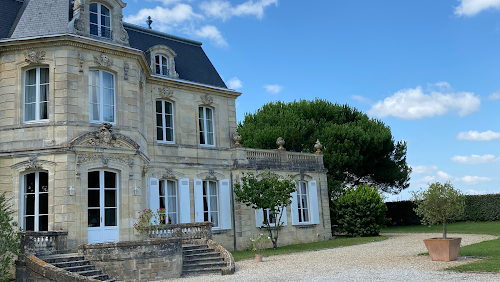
column 161, row 34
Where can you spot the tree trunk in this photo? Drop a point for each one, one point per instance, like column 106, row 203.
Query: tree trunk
column 444, row 229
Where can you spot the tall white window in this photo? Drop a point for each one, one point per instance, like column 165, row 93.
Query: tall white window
column 165, row 121
column 102, row 96
column 36, row 202
column 303, row 206
column 168, row 201
column 161, row 65
column 206, row 123
column 211, row 202
column 36, row 94
column 269, row 217
column 100, row 20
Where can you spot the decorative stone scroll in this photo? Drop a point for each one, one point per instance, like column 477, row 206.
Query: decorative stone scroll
column 211, row 175
column 103, row 60
column 207, row 99
column 125, row 70
column 123, row 34
column 105, row 137
column 33, row 163
column 280, row 142
column 81, row 61
column 171, row 174
column 34, row 57
column 166, row 93
column 142, row 78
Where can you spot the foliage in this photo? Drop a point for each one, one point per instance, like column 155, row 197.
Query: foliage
column 362, row 211
column 402, row 213
column 357, row 148
column 440, row 203
column 340, row 241
column 150, row 221
column 257, row 244
column 10, row 237
column 266, row 191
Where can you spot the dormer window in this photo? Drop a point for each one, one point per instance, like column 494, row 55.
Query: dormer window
column 100, row 20
column 161, row 65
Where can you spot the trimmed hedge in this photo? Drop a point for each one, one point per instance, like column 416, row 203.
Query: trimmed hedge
column 478, row 208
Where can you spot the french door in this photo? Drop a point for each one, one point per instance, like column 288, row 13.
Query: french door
column 102, row 207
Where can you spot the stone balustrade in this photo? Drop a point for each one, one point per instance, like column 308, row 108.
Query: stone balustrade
column 276, row 159
column 44, row 242
column 187, row 232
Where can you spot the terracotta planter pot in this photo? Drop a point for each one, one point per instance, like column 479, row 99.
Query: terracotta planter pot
column 258, row 257
column 443, row 249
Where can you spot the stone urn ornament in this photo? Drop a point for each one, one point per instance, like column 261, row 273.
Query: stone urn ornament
column 237, row 139
column 318, row 147
column 280, row 142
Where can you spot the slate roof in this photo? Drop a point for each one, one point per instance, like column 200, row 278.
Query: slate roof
column 9, row 10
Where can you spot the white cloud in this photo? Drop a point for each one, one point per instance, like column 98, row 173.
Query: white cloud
column 475, row 159
column 419, row 169
column 164, row 19
column 273, row 88
column 478, row 136
column 433, row 173
column 361, row 99
column 212, row 33
column 474, row 192
column 494, row 96
column 470, row 180
column 415, row 104
column 235, row 83
column 473, row 7
column 224, row 10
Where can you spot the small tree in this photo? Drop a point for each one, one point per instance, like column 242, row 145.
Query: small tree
column 439, row 204
column 266, row 191
column 10, row 237
column 361, row 211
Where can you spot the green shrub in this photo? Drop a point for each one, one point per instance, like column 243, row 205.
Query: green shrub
column 361, row 211
column 9, row 238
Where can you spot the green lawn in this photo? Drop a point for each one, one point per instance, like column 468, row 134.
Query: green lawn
column 488, row 249
column 338, row 242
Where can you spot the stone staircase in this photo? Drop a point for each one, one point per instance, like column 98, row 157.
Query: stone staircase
column 200, row 259
column 77, row 264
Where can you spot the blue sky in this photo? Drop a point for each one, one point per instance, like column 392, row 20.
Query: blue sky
column 428, row 69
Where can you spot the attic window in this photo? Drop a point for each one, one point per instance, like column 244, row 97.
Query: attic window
column 100, row 20
column 161, row 65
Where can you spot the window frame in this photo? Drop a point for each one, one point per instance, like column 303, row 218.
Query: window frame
column 101, row 97
column 267, row 213
column 160, row 65
column 164, row 124
column 164, row 182
column 37, row 93
column 299, row 201
column 99, row 21
column 36, row 215
column 205, row 132
column 208, row 202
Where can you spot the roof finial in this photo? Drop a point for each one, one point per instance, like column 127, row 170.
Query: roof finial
column 149, row 22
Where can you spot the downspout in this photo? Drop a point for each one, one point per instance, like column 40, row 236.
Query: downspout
column 234, row 221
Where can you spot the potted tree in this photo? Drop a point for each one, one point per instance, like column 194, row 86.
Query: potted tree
column 439, row 204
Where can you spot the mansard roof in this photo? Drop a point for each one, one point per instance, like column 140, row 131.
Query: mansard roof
column 10, row 10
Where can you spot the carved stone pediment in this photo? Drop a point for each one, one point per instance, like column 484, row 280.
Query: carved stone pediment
column 34, row 57
column 165, row 93
column 104, row 138
column 211, row 175
column 103, row 60
column 207, row 99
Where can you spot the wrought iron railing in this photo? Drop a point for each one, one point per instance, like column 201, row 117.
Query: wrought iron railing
column 162, row 70
column 101, row 31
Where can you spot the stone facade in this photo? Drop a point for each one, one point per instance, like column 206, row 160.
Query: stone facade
column 67, row 146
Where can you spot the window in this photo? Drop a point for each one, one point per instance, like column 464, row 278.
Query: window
column 161, row 65
column 206, row 122
column 165, row 121
column 100, row 20
column 303, row 209
column 36, row 202
column 102, row 96
column 36, row 94
column 269, row 217
column 168, row 201
column 211, row 203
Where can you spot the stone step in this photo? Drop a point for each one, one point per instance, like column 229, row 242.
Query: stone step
column 79, row 268
column 204, row 265
column 196, row 251
column 212, row 254
column 193, row 247
column 202, row 260
column 92, row 272
column 199, row 271
column 62, row 258
column 100, row 277
column 71, row 263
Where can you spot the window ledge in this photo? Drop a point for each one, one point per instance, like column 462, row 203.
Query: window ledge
column 305, row 225
column 218, row 231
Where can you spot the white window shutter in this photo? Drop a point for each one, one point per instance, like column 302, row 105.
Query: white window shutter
column 225, row 204
column 313, row 202
column 283, row 217
column 259, row 217
column 184, row 201
column 295, row 209
column 198, row 200
column 154, row 195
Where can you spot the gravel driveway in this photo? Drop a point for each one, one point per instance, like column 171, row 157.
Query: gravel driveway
column 395, row 259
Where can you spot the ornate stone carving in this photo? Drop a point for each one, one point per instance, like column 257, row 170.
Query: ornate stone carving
column 105, row 161
column 81, row 61
column 211, row 175
column 79, row 26
column 237, row 139
column 318, row 147
column 105, row 137
column 280, row 142
column 125, row 70
column 145, row 169
column 34, row 57
column 166, row 93
column 207, row 99
column 142, row 78
column 103, row 60
column 33, row 163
